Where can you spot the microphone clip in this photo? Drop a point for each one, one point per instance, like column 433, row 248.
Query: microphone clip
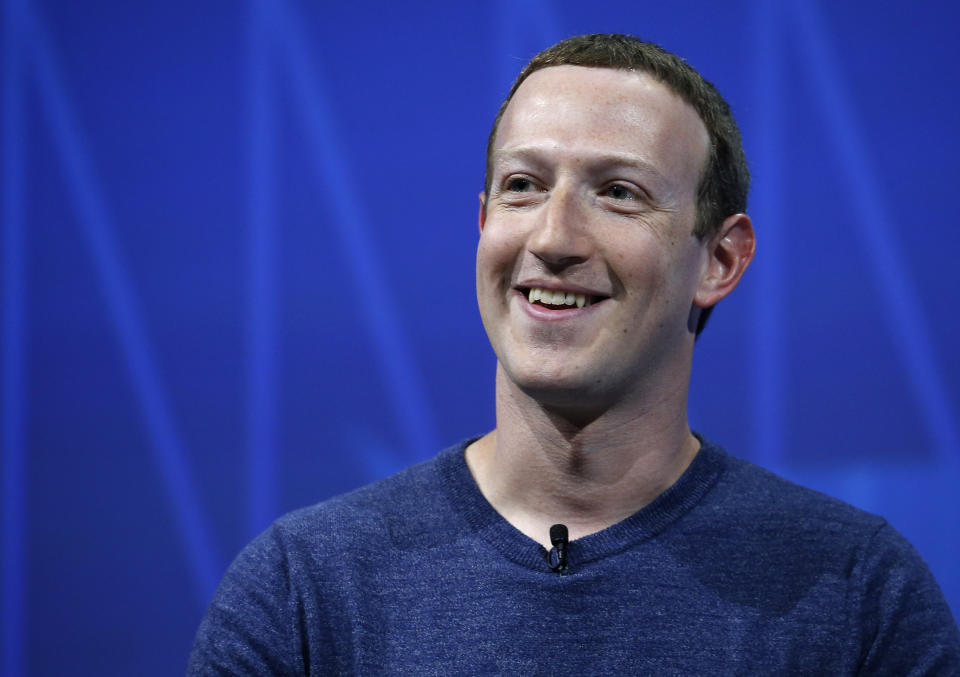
column 557, row 557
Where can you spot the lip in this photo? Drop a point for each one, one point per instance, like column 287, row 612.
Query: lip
column 554, row 286
column 542, row 313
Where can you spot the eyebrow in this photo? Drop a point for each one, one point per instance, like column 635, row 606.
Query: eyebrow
column 601, row 159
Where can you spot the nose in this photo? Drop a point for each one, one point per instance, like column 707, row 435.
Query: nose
column 561, row 238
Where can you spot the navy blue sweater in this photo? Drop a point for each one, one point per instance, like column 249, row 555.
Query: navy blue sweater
column 730, row 571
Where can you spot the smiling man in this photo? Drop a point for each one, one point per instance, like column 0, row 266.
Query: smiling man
column 591, row 532
column 591, row 280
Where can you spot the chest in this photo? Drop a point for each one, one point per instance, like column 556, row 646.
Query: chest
column 628, row 617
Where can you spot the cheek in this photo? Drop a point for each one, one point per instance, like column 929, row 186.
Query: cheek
column 641, row 268
column 656, row 274
column 496, row 252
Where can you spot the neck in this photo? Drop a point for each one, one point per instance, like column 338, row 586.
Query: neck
column 540, row 466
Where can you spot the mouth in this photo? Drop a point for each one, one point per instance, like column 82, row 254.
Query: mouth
column 558, row 299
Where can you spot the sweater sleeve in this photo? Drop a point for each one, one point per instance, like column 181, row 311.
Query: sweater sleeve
column 906, row 626
column 251, row 626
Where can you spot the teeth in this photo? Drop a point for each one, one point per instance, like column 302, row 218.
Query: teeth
column 557, row 298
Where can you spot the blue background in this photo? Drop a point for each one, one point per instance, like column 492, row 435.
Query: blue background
column 237, row 276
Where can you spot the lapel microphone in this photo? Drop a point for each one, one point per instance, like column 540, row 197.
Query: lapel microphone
column 557, row 557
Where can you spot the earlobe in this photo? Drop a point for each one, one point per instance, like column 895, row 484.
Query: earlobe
column 483, row 210
column 730, row 252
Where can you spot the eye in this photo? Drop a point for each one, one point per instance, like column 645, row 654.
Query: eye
column 519, row 184
column 619, row 191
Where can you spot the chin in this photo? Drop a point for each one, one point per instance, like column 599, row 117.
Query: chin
column 574, row 406
column 558, row 389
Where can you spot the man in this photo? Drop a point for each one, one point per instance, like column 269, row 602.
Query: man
column 611, row 223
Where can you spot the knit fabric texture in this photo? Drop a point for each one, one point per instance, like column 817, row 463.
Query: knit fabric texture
column 731, row 571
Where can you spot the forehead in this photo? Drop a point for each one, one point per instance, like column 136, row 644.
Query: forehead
column 582, row 112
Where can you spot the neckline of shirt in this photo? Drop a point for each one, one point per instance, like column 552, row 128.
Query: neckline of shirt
column 696, row 481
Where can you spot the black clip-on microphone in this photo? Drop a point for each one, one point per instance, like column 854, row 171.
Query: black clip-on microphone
column 557, row 557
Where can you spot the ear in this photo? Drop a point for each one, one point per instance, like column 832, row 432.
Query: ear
column 483, row 210
column 729, row 253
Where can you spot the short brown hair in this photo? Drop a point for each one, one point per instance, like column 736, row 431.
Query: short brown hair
column 725, row 178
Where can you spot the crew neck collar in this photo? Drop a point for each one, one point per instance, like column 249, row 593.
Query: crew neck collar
column 696, row 481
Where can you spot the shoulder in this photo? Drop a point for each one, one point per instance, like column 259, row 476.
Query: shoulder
column 784, row 521
column 801, row 523
column 407, row 505
column 769, row 501
column 789, row 540
column 272, row 607
column 773, row 542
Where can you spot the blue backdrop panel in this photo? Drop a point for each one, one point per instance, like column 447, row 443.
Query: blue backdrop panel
column 237, row 272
